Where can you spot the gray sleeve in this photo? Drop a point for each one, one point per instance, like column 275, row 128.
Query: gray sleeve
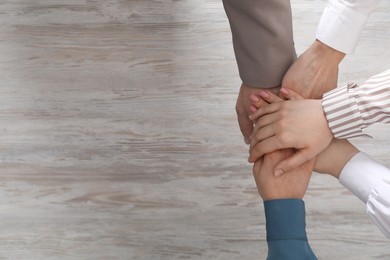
column 262, row 39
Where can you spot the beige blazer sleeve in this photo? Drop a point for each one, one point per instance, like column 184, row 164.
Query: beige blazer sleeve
column 262, row 39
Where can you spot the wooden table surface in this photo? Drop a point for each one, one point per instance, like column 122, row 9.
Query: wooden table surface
column 119, row 137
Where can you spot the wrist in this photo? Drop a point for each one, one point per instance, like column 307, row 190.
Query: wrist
column 339, row 152
column 331, row 55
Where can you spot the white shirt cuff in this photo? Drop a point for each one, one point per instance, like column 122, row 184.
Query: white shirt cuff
column 342, row 22
column 361, row 174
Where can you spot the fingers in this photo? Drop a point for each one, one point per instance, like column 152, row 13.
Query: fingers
column 292, row 162
column 265, row 120
column 290, row 94
column 262, row 104
column 257, row 102
column 259, row 136
column 267, row 146
column 270, row 108
column 269, row 97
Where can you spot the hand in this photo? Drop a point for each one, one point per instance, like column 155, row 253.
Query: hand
column 243, row 109
column 292, row 185
column 283, row 124
column 314, row 72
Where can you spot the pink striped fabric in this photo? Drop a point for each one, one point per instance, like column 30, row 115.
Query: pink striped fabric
column 351, row 108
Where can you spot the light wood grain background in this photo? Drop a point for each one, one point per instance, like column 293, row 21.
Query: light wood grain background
column 119, row 138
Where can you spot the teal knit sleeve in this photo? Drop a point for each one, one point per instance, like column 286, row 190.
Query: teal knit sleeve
column 286, row 234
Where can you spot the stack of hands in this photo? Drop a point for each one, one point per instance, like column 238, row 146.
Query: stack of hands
column 285, row 131
column 286, row 127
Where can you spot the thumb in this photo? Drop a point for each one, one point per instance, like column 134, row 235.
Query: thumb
column 292, row 162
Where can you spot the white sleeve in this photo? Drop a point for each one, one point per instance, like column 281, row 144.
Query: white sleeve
column 378, row 207
column 370, row 182
column 342, row 22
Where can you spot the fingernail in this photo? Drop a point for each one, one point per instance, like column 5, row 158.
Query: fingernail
column 278, row 173
column 264, row 94
column 284, row 91
column 254, row 98
column 247, row 140
column 253, row 109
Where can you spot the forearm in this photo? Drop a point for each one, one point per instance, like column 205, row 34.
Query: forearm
column 351, row 108
column 326, row 57
column 315, row 72
column 286, row 234
column 370, row 182
column 337, row 34
column 262, row 39
column 339, row 152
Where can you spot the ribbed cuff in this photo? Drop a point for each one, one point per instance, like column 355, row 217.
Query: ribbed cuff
column 285, row 219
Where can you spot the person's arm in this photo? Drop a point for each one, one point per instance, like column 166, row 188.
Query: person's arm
column 315, row 71
column 286, row 233
column 351, row 108
column 363, row 176
column 264, row 48
column 262, row 39
column 284, row 208
column 370, row 182
column 343, row 113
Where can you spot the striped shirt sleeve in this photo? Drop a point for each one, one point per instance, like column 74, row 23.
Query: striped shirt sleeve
column 351, row 108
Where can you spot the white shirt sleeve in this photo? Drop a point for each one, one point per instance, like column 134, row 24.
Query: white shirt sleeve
column 342, row 22
column 378, row 206
column 370, row 182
